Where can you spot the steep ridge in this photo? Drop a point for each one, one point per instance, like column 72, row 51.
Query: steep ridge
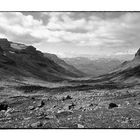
column 20, row 60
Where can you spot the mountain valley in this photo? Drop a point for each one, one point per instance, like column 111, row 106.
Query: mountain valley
column 40, row 90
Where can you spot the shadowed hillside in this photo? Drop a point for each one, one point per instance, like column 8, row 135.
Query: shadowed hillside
column 128, row 72
column 19, row 60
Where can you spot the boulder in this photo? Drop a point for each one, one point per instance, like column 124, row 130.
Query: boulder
column 112, row 105
column 3, row 106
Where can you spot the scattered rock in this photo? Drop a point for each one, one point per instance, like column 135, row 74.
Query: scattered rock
column 45, row 122
column 112, row 105
column 49, row 117
column 95, row 108
column 84, row 109
column 69, row 119
column 71, row 106
column 68, row 97
column 63, row 114
column 80, row 126
column 79, row 117
column 33, row 98
column 63, row 127
column 41, row 114
column 44, row 116
column 90, row 105
column 127, row 102
column 36, row 124
column 7, row 114
column 80, row 108
column 31, row 107
column 54, row 106
column 10, row 110
column 28, row 118
column 41, row 104
column 127, row 120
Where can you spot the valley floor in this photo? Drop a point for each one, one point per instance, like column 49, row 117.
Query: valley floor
column 91, row 108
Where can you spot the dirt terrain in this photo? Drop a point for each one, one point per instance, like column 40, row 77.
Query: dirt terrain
column 36, row 106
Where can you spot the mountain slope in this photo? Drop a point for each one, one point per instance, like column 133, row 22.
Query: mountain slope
column 128, row 72
column 63, row 64
column 93, row 67
column 19, row 60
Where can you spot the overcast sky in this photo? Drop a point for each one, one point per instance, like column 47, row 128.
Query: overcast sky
column 74, row 33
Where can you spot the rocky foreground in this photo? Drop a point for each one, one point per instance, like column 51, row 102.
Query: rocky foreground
column 70, row 109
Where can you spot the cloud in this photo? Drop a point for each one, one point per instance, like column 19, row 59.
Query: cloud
column 78, row 29
column 17, row 22
column 63, row 21
column 15, row 25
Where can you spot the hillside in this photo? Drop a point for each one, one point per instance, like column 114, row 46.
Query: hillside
column 63, row 64
column 19, row 60
column 127, row 72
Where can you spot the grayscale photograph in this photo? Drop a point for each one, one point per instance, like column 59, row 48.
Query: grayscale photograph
column 69, row 70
